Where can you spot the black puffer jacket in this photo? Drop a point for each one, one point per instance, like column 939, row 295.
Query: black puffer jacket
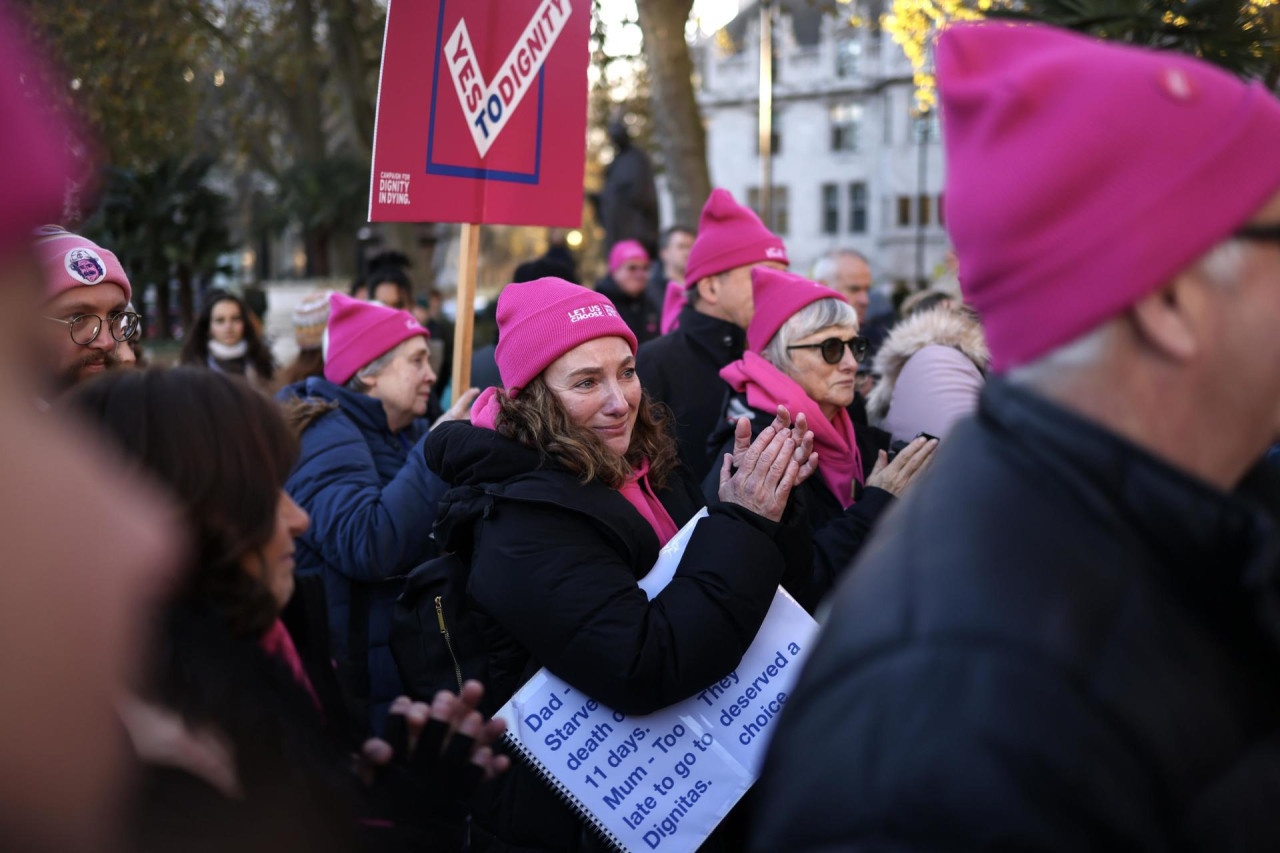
column 838, row 533
column 1055, row 642
column 554, row 566
column 682, row 369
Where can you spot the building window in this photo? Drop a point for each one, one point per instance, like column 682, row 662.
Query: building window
column 924, row 205
column 830, row 209
column 779, row 217
column 904, row 211
column 846, row 122
column 848, row 55
column 775, row 137
column 925, row 128
column 942, row 211
column 858, row 208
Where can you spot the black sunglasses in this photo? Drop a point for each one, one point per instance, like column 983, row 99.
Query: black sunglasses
column 833, row 348
column 1269, row 233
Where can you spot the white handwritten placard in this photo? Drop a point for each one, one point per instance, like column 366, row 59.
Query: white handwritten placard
column 663, row 781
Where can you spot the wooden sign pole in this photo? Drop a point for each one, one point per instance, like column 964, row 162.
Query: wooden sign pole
column 468, row 262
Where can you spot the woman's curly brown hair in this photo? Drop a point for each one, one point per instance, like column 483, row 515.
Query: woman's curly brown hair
column 536, row 419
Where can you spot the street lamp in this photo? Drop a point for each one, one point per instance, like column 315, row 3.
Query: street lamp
column 766, row 112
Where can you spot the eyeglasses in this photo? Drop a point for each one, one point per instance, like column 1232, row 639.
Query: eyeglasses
column 1268, row 233
column 833, row 348
column 85, row 327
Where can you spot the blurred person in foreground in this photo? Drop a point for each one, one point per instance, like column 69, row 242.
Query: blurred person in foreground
column 239, row 725
column 85, row 321
column 802, row 352
column 82, row 563
column 1067, row 638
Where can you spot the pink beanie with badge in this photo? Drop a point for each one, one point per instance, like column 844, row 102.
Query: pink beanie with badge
column 541, row 320
column 68, row 261
column 1083, row 175
column 730, row 235
column 359, row 332
column 626, row 250
column 778, row 295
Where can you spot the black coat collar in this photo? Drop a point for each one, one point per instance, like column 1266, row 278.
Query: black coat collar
column 1221, row 540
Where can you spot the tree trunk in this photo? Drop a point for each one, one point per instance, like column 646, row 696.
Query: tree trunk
column 186, row 297
column 161, row 279
column 318, row 265
column 351, row 67
column 675, row 108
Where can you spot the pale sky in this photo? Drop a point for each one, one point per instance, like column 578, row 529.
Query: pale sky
column 711, row 14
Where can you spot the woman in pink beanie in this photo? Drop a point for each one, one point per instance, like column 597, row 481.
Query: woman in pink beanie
column 362, row 477
column 802, row 352
column 566, row 484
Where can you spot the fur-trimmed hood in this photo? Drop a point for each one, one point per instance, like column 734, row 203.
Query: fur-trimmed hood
column 943, row 326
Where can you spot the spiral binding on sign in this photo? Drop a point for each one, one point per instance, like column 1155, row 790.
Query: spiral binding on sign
column 566, row 796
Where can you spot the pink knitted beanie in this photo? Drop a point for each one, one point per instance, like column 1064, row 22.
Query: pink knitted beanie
column 69, row 260
column 1083, row 175
column 777, row 296
column 359, row 332
column 730, row 235
column 36, row 163
column 541, row 320
column 626, row 250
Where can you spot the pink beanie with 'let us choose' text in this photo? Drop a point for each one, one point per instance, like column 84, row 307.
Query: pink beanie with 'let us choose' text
column 541, row 320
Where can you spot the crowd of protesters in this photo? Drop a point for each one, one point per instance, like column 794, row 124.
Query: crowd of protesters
column 1035, row 517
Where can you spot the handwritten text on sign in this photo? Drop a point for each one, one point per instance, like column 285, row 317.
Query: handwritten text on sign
column 489, row 105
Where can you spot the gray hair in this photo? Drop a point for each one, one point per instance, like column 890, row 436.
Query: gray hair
column 357, row 383
column 809, row 319
column 824, row 270
column 850, row 253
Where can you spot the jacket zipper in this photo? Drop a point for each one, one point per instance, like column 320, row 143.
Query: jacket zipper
column 448, row 641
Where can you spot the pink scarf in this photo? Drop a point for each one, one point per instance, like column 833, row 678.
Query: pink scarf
column 839, row 461
column 640, row 494
column 673, row 302
column 277, row 643
column 637, row 491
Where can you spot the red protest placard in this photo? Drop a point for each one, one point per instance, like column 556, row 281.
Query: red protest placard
column 482, row 110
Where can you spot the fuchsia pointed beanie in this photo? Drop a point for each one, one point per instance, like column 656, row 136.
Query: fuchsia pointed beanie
column 1082, row 175
column 778, row 295
column 36, row 162
column 626, row 250
column 359, row 332
column 69, row 261
column 730, row 235
column 541, row 320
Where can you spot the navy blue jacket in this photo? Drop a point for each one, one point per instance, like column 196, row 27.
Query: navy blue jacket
column 372, row 503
